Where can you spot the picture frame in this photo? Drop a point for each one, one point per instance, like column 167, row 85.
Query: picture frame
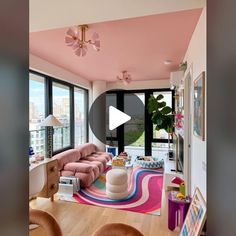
column 196, row 216
column 199, row 107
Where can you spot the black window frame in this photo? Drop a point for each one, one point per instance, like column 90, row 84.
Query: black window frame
column 147, row 122
column 49, row 105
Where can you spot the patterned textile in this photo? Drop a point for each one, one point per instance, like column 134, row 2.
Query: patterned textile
column 157, row 163
column 145, row 192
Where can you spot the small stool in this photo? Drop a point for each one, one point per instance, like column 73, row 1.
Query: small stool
column 117, row 184
column 176, row 207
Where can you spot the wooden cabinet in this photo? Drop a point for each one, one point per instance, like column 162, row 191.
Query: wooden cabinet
column 52, row 182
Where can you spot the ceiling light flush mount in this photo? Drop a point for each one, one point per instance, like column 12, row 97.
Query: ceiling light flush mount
column 167, row 62
column 126, row 78
column 75, row 38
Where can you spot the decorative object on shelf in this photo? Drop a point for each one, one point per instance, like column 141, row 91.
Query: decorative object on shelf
column 39, row 157
column 180, row 182
column 183, row 66
column 176, row 79
column 111, row 150
column 162, row 115
column 75, row 38
column 179, row 120
column 118, row 162
column 31, row 152
column 199, row 107
column 196, row 216
column 123, row 154
column 50, row 122
column 126, row 78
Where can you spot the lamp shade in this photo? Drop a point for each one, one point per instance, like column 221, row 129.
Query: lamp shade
column 51, row 120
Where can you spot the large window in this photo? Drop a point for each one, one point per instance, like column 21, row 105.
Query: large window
column 80, row 108
column 66, row 102
column 160, row 137
column 61, row 110
column 37, row 113
column 151, row 142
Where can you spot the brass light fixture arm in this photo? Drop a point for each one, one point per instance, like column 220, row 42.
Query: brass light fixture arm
column 83, row 29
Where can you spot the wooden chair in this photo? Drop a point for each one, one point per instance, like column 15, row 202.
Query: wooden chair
column 45, row 220
column 117, row 229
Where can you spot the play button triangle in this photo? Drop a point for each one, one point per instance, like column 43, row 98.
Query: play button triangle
column 117, row 118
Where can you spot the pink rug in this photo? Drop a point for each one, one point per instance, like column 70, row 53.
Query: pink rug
column 145, row 192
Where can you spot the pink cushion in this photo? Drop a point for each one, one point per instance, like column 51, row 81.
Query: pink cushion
column 107, row 155
column 85, row 179
column 96, row 168
column 78, row 167
column 65, row 157
column 100, row 159
column 86, row 149
column 66, row 173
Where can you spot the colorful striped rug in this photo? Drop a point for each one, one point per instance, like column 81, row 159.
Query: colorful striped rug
column 145, row 192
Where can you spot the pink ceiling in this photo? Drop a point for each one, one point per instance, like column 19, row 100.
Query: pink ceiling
column 138, row 45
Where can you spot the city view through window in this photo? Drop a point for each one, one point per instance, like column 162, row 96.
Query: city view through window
column 37, row 113
column 62, row 110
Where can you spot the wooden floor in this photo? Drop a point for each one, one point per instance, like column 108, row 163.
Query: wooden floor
column 82, row 220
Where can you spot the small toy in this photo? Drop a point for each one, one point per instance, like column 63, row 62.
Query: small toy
column 182, row 188
column 31, row 151
column 177, row 180
column 180, row 182
column 180, row 195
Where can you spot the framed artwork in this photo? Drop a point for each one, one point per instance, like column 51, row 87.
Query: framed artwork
column 199, row 107
column 195, row 217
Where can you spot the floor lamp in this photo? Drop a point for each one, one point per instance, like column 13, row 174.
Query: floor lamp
column 50, row 122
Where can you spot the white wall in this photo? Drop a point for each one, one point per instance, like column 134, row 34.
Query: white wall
column 43, row 66
column 196, row 58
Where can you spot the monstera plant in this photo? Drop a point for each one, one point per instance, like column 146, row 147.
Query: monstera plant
column 162, row 116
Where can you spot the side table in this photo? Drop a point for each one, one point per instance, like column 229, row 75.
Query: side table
column 176, row 208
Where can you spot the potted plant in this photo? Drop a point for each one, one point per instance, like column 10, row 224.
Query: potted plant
column 162, row 116
column 183, row 66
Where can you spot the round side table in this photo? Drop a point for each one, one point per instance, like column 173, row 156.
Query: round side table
column 176, row 208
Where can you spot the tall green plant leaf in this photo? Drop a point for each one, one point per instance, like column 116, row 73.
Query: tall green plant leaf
column 161, row 104
column 152, row 105
column 166, row 110
column 159, row 97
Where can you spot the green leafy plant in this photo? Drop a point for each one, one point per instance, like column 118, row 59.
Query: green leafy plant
column 162, row 115
column 183, row 66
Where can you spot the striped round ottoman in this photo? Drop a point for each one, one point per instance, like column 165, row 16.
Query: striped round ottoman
column 117, row 184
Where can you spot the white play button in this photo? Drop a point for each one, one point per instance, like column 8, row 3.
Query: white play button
column 116, row 118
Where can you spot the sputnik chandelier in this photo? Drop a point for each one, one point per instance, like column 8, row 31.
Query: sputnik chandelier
column 75, row 38
column 126, row 78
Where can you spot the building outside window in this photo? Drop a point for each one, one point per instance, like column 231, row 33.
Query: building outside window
column 37, row 113
column 66, row 102
column 80, row 111
column 61, row 110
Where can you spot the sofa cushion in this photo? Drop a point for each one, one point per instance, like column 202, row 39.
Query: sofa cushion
column 96, row 167
column 86, row 149
column 100, row 159
column 78, row 167
column 65, row 157
column 66, row 173
column 106, row 155
column 85, row 179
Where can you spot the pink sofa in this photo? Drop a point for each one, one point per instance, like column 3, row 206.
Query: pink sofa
column 85, row 162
